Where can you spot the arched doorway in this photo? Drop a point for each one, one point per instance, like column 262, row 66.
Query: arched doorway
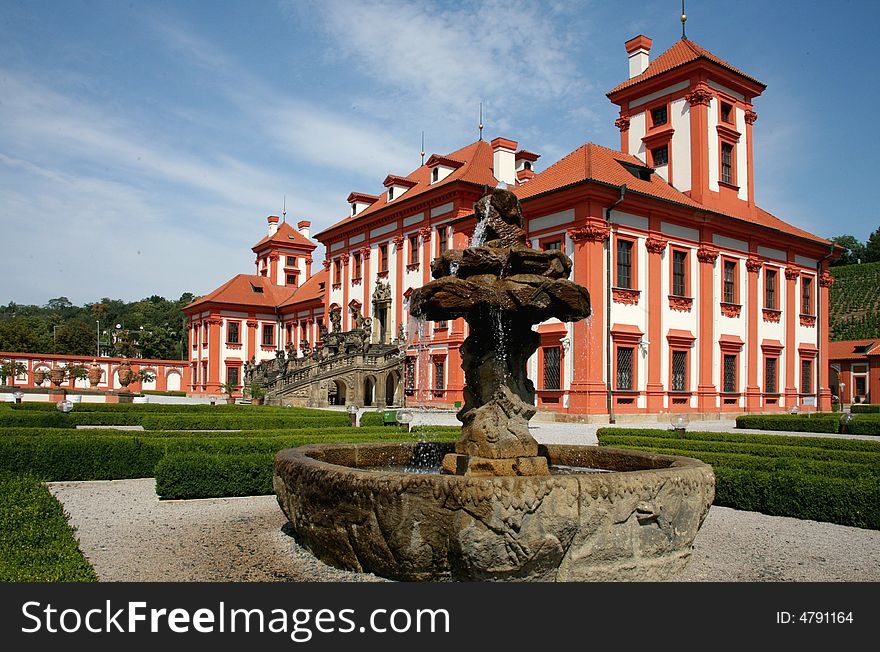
column 369, row 391
column 337, row 393
column 390, row 388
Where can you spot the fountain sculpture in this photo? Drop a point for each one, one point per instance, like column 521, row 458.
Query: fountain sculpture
column 503, row 507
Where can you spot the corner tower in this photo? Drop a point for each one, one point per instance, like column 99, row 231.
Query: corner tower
column 688, row 114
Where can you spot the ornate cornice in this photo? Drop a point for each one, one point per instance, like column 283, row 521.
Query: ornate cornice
column 345, row 258
column 826, row 280
column 336, row 286
column 252, row 323
column 772, row 315
column 622, row 123
column 750, row 117
column 425, row 233
column 214, row 321
column 412, row 267
column 732, row 310
column 791, row 273
column 326, row 263
column 754, row 265
column 356, row 281
column 398, row 241
column 700, row 95
column 808, row 320
column 365, row 252
column 681, row 304
column 273, row 256
column 656, row 245
column 382, row 274
column 591, row 232
column 707, row 255
column 624, row 296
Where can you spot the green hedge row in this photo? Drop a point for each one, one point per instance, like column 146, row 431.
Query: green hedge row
column 793, row 423
column 203, row 475
column 173, row 408
column 86, row 457
column 759, row 450
column 831, row 443
column 171, row 421
column 864, row 408
column 36, row 542
column 377, row 431
column 868, row 424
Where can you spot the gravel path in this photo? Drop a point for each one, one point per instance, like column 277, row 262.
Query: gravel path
column 128, row 534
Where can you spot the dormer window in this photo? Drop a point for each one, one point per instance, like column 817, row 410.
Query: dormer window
column 397, row 186
column 527, row 165
column 442, row 166
column 638, row 171
column 435, row 175
column 353, row 208
column 391, row 193
column 659, row 116
column 726, row 113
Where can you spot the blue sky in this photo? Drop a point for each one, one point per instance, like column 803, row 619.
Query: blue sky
column 142, row 144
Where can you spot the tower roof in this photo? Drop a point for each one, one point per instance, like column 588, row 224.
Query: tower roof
column 245, row 290
column 287, row 236
column 681, row 53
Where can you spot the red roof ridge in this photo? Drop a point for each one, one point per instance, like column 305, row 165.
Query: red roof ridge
column 286, row 234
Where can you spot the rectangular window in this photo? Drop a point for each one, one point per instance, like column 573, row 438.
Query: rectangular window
column 356, row 272
column 552, row 357
column 726, row 113
column 268, row 335
column 337, row 272
column 410, row 373
column 553, row 245
column 442, row 235
column 439, row 374
column 679, row 273
column 659, row 116
column 806, row 296
column 679, row 371
column 291, row 261
column 729, row 381
column 625, row 368
column 727, row 163
column 770, row 376
column 232, row 375
column 232, row 334
column 770, row 290
column 413, row 249
column 660, row 156
column 291, row 279
column 624, row 264
column 806, row 376
column 383, row 258
column 729, row 295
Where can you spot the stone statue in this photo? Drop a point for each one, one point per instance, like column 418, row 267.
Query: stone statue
column 382, row 293
column 357, row 318
column 336, row 320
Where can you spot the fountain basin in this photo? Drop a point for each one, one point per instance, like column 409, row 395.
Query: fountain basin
column 635, row 523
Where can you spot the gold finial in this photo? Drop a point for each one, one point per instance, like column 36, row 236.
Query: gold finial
column 683, row 21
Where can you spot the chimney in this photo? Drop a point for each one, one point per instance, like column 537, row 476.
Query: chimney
column 273, row 223
column 303, row 227
column 638, row 50
column 504, row 160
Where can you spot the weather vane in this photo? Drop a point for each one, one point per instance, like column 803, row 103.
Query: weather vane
column 423, row 148
column 683, row 21
column 284, row 209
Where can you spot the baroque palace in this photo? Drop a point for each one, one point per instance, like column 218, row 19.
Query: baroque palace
column 702, row 301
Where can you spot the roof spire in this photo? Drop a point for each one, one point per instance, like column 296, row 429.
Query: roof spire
column 284, row 209
column 683, row 21
column 423, row 148
column 481, row 121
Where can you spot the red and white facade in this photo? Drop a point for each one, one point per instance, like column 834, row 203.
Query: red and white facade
column 702, row 301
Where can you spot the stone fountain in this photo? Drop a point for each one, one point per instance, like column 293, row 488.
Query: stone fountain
column 501, row 507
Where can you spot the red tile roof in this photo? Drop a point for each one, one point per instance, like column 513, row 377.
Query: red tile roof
column 591, row 162
column 311, row 290
column 846, row 350
column 286, row 235
column 477, row 168
column 246, row 290
column 683, row 52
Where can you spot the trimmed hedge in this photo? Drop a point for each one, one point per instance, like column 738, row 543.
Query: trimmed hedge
column 37, row 544
column 867, row 424
column 864, row 408
column 834, row 480
column 76, row 456
column 176, row 421
column 378, row 432
column 174, row 408
column 201, row 475
column 790, row 422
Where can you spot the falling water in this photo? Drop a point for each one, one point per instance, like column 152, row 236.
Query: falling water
column 500, row 340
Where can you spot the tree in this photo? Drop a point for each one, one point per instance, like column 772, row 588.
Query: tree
column 855, row 250
column 872, row 247
column 75, row 338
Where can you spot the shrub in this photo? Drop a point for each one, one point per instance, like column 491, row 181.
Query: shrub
column 792, row 423
column 864, row 408
column 183, row 408
column 831, row 443
column 864, row 424
column 36, row 542
column 209, row 475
